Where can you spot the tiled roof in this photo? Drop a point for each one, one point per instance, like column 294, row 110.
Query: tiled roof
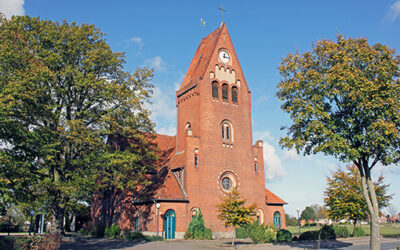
column 273, row 199
column 170, row 189
column 201, row 58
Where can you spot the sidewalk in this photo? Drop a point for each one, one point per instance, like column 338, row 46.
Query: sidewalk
column 86, row 243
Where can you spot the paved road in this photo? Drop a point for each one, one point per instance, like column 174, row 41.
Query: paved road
column 84, row 243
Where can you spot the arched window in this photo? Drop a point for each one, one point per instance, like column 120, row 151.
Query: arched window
column 260, row 216
column 225, row 92
column 227, row 131
column 234, row 95
column 215, row 89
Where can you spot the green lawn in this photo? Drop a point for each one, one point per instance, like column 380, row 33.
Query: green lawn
column 386, row 229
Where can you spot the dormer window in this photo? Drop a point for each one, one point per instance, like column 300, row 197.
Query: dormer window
column 215, row 89
column 225, row 92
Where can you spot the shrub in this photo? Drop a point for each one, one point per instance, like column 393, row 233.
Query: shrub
column 358, row 231
column 327, row 232
column 6, row 242
column 341, row 232
column 283, row 235
column 136, row 236
column 208, row 234
column 188, row 236
column 309, row 235
column 241, row 233
column 154, row 238
column 260, row 233
column 92, row 229
column 50, row 242
column 197, row 230
column 112, row 231
column 295, row 238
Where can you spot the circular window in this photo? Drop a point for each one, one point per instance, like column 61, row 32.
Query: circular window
column 226, row 183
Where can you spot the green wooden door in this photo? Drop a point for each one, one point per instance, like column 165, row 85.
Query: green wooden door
column 170, row 224
column 277, row 220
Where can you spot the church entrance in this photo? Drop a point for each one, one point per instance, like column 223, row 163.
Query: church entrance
column 277, row 220
column 170, row 224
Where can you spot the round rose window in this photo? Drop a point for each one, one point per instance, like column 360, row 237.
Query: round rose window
column 226, row 183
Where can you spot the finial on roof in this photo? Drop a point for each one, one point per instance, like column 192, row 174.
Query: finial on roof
column 222, row 11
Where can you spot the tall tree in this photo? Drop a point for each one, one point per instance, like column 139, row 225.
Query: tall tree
column 63, row 92
column 233, row 211
column 308, row 214
column 344, row 196
column 343, row 98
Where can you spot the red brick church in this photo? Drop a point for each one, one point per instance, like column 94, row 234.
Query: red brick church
column 212, row 152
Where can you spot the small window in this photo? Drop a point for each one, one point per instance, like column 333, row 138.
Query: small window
column 255, row 167
column 223, row 132
column 215, row 89
column 227, row 132
column 234, row 95
column 196, row 160
column 225, row 92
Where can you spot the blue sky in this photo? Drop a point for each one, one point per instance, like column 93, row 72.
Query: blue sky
column 165, row 35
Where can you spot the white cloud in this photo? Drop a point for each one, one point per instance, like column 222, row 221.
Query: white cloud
column 272, row 163
column 157, row 63
column 139, row 42
column 262, row 99
column 171, row 130
column 163, row 105
column 12, row 7
column 291, row 155
column 394, row 11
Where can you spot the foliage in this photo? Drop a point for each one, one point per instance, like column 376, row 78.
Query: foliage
column 290, row 220
column 46, row 242
column 113, row 231
column 343, row 99
column 327, row 232
column 283, row 235
column 92, row 229
column 308, row 214
column 233, row 212
column 136, row 236
column 188, row 236
column 64, row 92
column 358, row 232
column 241, row 233
column 320, row 212
column 260, row 233
column 344, row 195
column 309, row 235
column 197, row 230
column 154, row 238
column 342, row 231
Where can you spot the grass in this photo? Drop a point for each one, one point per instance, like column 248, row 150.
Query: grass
column 389, row 230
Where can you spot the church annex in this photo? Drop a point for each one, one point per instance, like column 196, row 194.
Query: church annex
column 212, row 152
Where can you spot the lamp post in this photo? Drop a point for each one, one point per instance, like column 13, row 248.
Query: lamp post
column 32, row 213
column 158, row 205
column 298, row 218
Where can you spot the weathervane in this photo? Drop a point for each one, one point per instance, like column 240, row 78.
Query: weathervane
column 222, row 12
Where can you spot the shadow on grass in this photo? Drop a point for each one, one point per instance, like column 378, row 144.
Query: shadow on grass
column 85, row 243
column 314, row 244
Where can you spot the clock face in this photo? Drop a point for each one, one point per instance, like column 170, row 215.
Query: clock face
column 224, row 56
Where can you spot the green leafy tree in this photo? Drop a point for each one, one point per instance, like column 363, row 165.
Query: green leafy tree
column 343, row 98
column 63, row 93
column 234, row 213
column 308, row 214
column 344, row 196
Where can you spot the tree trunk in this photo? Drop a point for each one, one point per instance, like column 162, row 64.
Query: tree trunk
column 56, row 218
column 372, row 204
